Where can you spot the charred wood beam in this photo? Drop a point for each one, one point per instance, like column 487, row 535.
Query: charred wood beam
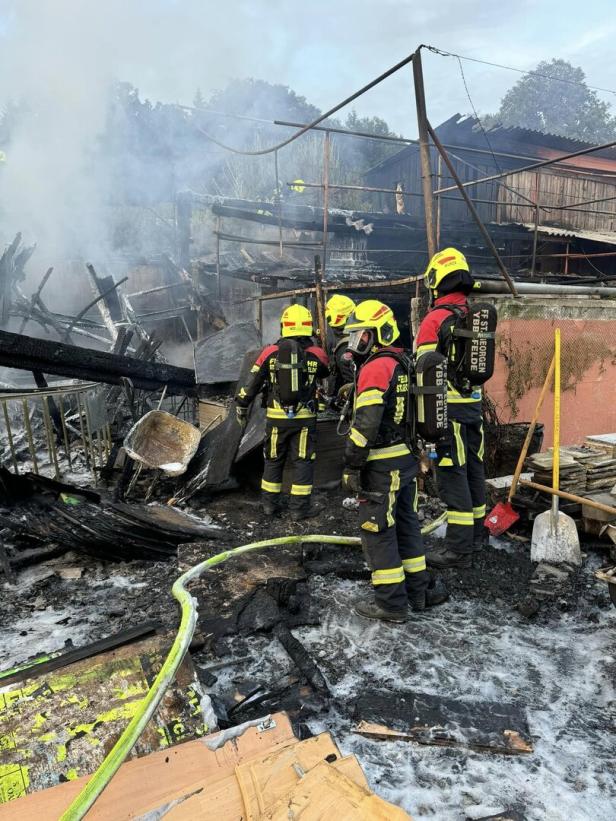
column 302, row 659
column 58, row 358
column 91, row 304
column 34, row 300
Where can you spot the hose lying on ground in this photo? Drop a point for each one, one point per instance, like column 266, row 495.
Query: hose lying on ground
column 110, row 765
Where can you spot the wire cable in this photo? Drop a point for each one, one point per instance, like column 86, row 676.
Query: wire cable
column 318, row 120
column 483, row 131
column 442, row 53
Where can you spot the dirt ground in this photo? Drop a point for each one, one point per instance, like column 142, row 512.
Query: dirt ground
column 560, row 664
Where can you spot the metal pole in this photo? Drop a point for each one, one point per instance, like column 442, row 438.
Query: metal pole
column 28, row 427
column 90, row 437
column 81, row 430
column 67, row 447
column 278, row 202
column 9, row 433
column 218, row 222
column 491, row 286
column 424, row 152
column 51, row 445
column 536, row 233
column 320, row 302
column 472, row 209
column 326, row 147
column 567, row 257
column 439, row 171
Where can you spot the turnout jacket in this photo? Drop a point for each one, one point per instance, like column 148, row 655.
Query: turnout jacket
column 435, row 335
column 379, row 429
column 263, row 377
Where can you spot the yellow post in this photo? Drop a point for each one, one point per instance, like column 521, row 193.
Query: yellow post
column 556, row 437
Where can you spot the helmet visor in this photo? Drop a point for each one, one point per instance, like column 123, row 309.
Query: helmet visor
column 361, row 341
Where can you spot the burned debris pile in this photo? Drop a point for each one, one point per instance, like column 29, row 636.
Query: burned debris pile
column 124, row 466
column 39, row 512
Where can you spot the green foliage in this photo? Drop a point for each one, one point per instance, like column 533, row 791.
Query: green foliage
column 563, row 105
column 151, row 150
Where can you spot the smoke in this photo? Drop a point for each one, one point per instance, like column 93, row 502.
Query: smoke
column 59, row 63
column 56, row 65
column 59, row 60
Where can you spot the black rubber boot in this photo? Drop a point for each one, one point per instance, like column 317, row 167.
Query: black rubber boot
column 443, row 558
column 301, row 513
column 369, row 609
column 417, row 601
column 435, row 594
column 271, row 509
column 481, row 540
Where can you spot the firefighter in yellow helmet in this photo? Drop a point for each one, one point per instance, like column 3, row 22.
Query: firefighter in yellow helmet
column 337, row 311
column 381, row 468
column 287, row 373
column 459, row 467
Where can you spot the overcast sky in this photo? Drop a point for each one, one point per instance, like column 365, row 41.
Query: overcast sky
column 324, row 49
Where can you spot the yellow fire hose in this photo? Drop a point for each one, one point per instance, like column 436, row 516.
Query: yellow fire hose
column 110, row 765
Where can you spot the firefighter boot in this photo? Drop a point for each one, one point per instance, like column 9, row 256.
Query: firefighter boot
column 442, row 558
column 369, row 609
column 271, row 508
column 298, row 514
column 435, row 594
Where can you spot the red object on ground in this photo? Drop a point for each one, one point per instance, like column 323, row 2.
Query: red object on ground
column 501, row 518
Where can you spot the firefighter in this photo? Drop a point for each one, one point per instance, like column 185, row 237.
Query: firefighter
column 381, row 469
column 287, row 373
column 337, row 311
column 459, row 462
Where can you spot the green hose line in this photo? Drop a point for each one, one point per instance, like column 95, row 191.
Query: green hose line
column 103, row 775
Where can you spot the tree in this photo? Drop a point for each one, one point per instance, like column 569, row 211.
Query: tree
column 199, row 99
column 369, row 153
column 555, row 98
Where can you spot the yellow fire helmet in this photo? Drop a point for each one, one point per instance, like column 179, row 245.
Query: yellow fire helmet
column 296, row 321
column 443, row 264
column 338, row 310
column 372, row 323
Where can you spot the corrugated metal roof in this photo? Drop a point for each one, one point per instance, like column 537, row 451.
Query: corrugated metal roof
column 463, row 130
column 609, row 238
column 459, row 124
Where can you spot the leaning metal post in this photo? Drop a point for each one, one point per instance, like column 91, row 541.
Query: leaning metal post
column 472, row 209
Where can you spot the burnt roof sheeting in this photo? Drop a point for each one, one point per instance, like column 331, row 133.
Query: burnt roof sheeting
column 218, row 357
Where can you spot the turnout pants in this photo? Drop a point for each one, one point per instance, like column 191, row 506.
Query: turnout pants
column 461, row 477
column 290, row 441
column 390, row 530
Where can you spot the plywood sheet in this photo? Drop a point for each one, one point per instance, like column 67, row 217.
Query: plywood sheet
column 326, row 793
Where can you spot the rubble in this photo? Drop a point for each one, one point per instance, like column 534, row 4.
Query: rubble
column 62, row 721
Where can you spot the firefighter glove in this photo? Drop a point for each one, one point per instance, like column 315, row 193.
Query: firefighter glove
column 241, row 416
column 351, row 480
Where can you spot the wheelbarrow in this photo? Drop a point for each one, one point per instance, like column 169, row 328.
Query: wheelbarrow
column 160, row 440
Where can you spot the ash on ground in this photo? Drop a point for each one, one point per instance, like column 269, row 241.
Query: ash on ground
column 560, row 664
